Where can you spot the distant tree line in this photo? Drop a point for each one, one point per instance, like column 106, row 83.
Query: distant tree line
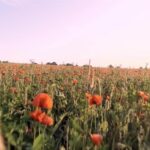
column 5, row 62
column 54, row 63
column 71, row 64
column 51, row 63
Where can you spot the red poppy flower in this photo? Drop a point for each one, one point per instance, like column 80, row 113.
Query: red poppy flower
column 47, row 120
column 96, row 99
column 43, row 100
column 96, row 139
column 35, row 114
column 75, row 82
column 141, row 93
column 41, row 117
column 146, row 97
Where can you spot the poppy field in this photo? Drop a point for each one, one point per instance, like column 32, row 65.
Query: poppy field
column 44, row 107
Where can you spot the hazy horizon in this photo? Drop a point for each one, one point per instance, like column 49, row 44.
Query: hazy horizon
column 108, row 32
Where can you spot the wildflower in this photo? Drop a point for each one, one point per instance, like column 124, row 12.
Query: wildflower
column 141, row 93
column 96, row 139
column 47, row 120
column 146, row 97
column 96, row 99
column 43, row 100
column 42, row 118
column 35, row 114
column 75, row 82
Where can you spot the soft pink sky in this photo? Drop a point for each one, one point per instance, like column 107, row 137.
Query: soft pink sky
column 105, row 31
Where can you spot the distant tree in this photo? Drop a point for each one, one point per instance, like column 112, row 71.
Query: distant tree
column 110, row 66
column 86, row 66
column 48, row 63
column 68, row 64
column 54, row 63
column 5, row 62
column 51, row 63
column 141, row 68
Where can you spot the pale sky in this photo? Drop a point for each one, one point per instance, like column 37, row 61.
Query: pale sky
column 113, row 32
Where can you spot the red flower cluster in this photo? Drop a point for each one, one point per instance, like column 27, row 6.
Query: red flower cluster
column 41, row 117
column 97, row 139
column 143, row 95
column 94, row 99
column 42, row 100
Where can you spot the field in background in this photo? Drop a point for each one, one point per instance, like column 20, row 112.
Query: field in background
column 120, row 114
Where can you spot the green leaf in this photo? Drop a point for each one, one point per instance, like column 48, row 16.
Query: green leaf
column 76, row 126
column 38, row 142
column 58, row 123
column 11, row 139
